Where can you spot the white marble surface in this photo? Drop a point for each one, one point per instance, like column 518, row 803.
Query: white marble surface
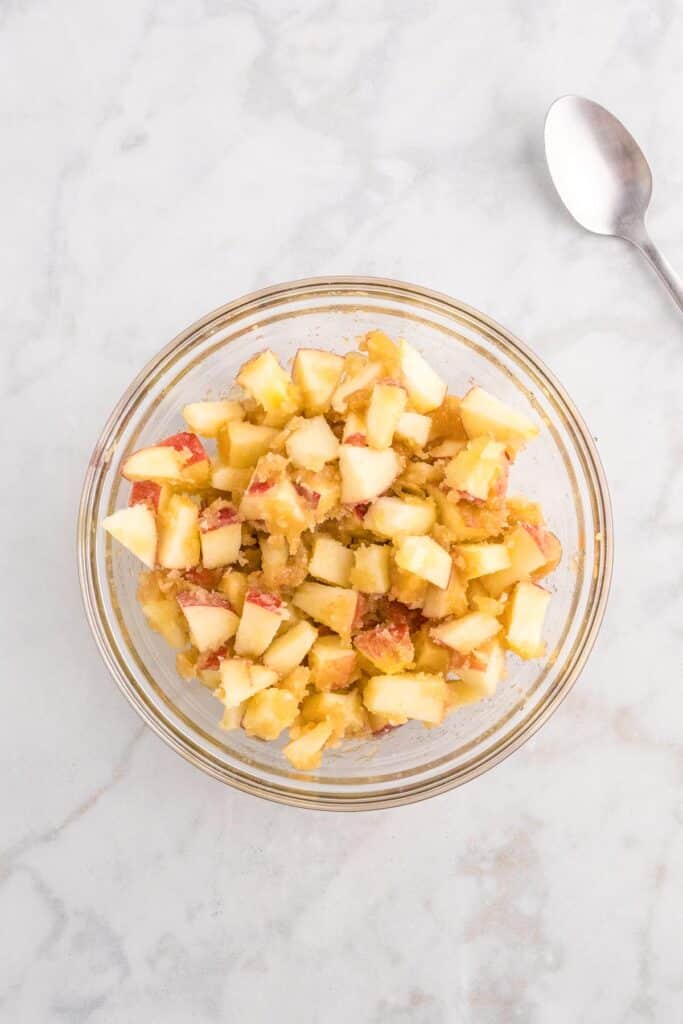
column 157, row 160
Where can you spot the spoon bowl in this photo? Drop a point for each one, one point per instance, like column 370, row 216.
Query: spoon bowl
column 602, row 177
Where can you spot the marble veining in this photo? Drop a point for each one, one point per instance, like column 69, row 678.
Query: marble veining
column 159, row 159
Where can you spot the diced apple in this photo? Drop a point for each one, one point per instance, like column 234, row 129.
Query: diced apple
column 234, row 585
column 440, row 603
column 153, row 495
column 209, row 665
column 445, row 421
column 371, row 572
column 524, row 617
column 333, row 663
column 447, row 449
column 355, row 430
column 408, row 589
column 262, row 615
column 482, row 559
column 551, row 547
column 409, row 695
column 268, row 384
column 161, row 611
column 304, row 753
column 229, row 478
column 363, row 378
column 331, row 561
column 136, row 528
column 381, row 349
column 424, row 558
column 297, row 682
column 483, row 413
column 467, row 632
column 290, row 649
column 480, row 601
column 312, row 444
column 284, row 508
column 526, row 557
column 366, row 473
column 429, row 656
column 414, row 428
column 178, row 527
column 387, row 648
column 210, row 618
column 232, row 717
column 179, row 460
column 220, row 534
column 522, row 510
column 387, row 404
column 484, row 669
column 268, row 713
column 344, row 711
column 319, row 491
column 206, row 418
column 466, row 521
column 426, row 389
column 240, row 680
column 242, row 444
column 316, row 373
column 392, row 517
column 334, row 607
column 475, row 470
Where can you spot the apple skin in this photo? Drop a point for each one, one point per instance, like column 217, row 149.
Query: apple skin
column 185, row 441
column 214, row 518
column 205, row 598
column 264, row 600
column 145, row 492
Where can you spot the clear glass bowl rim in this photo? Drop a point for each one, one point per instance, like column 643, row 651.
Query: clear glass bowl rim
column 392, row 288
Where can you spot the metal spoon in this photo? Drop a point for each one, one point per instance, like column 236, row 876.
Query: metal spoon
column 603, row 178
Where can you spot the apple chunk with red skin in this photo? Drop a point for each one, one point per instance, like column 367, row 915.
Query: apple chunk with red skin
column 481, row 671
column 146, row 492
column 180, row 460
column 333, row 663
column 220, row 534
column 366, row 472
column 136, row 528
column 388, row 648
column 210, row 618
column 262, row 616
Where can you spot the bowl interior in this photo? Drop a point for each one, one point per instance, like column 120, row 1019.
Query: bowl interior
column 560, row 469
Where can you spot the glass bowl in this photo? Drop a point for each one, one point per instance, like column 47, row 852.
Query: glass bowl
column 561, row 469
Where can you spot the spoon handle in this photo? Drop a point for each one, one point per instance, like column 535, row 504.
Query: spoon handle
column 661, row 265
